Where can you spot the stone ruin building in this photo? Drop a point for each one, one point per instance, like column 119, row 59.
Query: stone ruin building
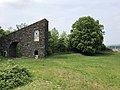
column 33, row 40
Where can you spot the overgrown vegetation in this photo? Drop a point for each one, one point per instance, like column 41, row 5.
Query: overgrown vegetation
column 19, row 50
column 12, row 75
column 86, row 37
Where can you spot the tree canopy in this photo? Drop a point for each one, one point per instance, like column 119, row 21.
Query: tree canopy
column 57, row 43
column 4, row 32
column 86, row 35
column 20, row 26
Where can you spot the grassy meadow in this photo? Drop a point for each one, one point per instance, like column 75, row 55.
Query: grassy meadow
column 72, row 72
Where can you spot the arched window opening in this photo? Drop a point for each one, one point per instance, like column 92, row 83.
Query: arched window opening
column 36, row 35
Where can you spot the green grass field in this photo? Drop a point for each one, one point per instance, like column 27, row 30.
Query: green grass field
column 72, row 72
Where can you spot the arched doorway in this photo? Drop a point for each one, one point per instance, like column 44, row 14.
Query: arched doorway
column 35, row 52
column 13, row 50
column 5, row 54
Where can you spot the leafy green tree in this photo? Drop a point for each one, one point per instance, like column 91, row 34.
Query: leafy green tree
column 63, row 42
column 5, row 32
column 50, row 43
column 57, row 43
column 2, row 32
column 53, row 37
column 86, row 35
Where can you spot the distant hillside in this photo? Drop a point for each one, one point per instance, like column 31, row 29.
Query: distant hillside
column 114, row 46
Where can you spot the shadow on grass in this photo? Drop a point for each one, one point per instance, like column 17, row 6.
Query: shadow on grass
column 9, row 58
column 3, row 58
column 61, row 55
column 64, row 56
column 105, row 53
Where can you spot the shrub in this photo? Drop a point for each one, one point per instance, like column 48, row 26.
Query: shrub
column 13, row 76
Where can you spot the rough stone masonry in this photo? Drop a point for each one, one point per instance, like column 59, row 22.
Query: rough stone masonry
column 33, row 40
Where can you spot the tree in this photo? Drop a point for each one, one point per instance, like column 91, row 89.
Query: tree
column 2, row 32
column 57, row 43
column 63, row 42
column 50, row 43
column 22, row 25
column 53, row 37
column 86, row 35
column 5, row 32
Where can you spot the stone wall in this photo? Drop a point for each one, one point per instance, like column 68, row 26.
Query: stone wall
column 25, row 37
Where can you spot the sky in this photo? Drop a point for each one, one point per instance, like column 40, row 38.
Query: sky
column 61, row 14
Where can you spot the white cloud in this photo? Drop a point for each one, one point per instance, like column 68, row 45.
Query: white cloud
column 16, row 3
column 4, row 2
column 50, row 1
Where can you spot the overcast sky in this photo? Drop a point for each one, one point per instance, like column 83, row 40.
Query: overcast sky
column 62, row 14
